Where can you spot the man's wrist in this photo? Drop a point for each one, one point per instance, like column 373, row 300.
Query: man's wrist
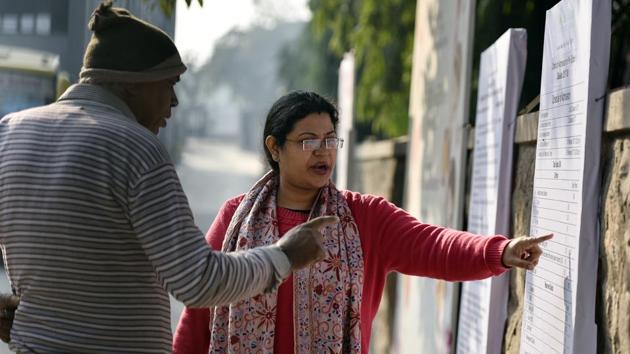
column 281, row 261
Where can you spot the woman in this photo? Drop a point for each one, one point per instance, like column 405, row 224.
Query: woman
column 330, row 306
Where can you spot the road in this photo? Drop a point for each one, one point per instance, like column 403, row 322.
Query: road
column 210, row 173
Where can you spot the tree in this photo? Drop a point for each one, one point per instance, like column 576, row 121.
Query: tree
column 381, row 35
column 307, row 64
column 168, row 6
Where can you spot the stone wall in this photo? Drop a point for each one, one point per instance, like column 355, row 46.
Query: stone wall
column 380, row 167
column 613, row 306
column 613, row 300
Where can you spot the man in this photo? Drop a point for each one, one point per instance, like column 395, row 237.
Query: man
column 94, row 225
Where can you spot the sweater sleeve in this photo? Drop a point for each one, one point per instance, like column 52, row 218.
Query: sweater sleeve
column 216, row 232
column 402, row 243
column 184, row 264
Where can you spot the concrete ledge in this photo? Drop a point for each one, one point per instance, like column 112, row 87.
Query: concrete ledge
column 526, row 128
column 618, row 110
column 383, row 149
column 471, row 137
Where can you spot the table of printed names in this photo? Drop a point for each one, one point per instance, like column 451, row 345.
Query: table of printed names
column 475, row 301
column 556, row 208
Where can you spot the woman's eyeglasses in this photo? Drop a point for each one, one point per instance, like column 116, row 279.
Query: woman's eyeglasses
column 316, row 144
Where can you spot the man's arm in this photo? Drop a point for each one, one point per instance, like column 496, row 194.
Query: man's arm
column 159, row 213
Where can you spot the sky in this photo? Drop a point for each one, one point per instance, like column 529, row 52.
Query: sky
column 198, row 28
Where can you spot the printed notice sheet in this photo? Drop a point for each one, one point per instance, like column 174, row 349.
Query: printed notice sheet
column 483, row 303
column 559, row 303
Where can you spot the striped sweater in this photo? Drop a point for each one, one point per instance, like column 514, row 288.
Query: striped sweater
column 95, row 229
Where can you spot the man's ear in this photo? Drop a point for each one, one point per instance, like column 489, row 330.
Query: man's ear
column 272, row 145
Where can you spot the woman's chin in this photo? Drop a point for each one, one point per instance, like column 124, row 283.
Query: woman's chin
column 317, row 183
column 322, row 181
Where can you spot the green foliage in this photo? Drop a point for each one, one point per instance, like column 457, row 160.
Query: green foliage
column 168, row 6
column 382, row 39
column 307, row 64
column 380, row 33
column 384, row 45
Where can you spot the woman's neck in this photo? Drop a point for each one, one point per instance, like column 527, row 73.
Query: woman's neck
column 295, row 198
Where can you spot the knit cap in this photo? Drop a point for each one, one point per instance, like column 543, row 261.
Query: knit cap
column 126, row 49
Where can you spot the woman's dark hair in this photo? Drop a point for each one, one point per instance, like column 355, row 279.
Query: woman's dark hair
column 288, row 110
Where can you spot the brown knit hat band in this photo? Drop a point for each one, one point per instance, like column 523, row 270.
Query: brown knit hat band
column 169, row 68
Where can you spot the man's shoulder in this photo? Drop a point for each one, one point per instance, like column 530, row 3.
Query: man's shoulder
column 133, row 140
column 126, row 131
column 114, row 126
column 28, row 113
column 104, row 128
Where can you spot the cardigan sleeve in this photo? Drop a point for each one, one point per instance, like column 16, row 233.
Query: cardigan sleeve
column 193, row 330
column 400, row 242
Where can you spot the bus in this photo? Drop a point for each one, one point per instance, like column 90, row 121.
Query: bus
column 28, row 78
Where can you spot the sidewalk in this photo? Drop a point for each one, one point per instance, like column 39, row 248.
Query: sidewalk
column 211, row 173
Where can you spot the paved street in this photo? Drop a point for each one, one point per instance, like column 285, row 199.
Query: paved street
column 210, row 173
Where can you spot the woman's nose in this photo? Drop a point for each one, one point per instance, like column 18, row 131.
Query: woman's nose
column 321, row 150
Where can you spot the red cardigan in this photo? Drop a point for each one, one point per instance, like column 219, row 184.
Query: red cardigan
column 391, row 239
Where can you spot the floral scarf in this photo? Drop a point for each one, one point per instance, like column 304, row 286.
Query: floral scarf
column 327, row 295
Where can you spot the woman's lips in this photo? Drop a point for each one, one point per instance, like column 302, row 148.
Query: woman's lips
column 321, row 169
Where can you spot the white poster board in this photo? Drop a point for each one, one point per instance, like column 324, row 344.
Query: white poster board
column 435, row 163
column 559, row 307
column 483, row 303
column 345, row 131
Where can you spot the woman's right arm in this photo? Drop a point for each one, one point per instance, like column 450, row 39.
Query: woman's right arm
column 404, row 244
column 193, row 331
